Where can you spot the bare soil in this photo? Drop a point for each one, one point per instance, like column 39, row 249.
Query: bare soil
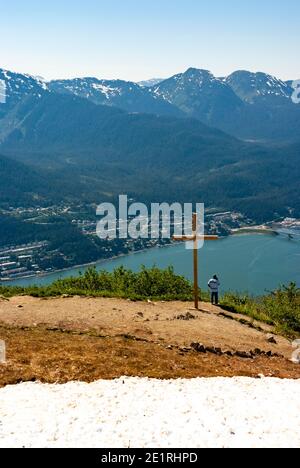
column 58, row 340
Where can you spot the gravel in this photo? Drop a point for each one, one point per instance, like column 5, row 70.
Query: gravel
column 145, row 413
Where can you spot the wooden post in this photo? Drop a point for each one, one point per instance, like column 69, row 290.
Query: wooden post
column 195, row 238
column 195, row 253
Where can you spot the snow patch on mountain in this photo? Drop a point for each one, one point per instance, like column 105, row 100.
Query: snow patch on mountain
column 14, row 86
column 2, row 92
column 150, row 83
column 93, row 88
column 107, row 90
column 296, row 92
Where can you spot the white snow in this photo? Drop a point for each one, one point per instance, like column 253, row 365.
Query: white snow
column 296, row 93
column 150, row 83
column 2, row 92
column 6, row 74
column 107, row 90
column 134, row 412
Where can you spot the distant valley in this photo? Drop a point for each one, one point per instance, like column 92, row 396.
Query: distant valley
column 231, row 142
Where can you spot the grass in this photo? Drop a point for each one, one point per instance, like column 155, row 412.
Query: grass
column 280, row 308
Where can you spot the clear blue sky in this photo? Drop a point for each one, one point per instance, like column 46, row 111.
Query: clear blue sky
column 139, row 39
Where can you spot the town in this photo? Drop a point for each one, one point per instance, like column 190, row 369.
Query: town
column 68, row 238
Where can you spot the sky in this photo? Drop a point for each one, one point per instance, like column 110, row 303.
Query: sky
column 140, row 39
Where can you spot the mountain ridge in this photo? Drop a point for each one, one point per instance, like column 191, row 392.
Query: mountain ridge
column 126, row 95
column 252, row 106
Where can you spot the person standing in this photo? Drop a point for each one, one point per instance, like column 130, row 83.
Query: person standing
column 214, row 285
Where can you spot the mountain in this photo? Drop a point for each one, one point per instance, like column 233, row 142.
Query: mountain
column 200, row 95
column 65, row 125
column 270, row 112
column 123, row 94
column 257, row 87
column 93, row 153
column 15, row 86
column 151, row 82
column 74, row 144
column 249, row 106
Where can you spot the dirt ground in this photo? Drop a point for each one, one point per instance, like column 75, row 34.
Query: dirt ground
column 58, row 340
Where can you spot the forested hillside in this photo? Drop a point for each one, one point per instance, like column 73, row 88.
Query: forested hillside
column 93, row 153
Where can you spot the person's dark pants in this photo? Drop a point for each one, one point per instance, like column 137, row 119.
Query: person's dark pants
column 215, row 298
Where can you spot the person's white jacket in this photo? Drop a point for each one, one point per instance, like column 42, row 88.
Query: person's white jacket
column 214, row 285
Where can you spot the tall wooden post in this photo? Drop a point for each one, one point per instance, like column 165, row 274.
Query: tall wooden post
column 195, row 238
column 195, row 254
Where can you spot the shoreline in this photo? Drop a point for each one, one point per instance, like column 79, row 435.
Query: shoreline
column 255, row 230
column 241, row 231
column 84, row 265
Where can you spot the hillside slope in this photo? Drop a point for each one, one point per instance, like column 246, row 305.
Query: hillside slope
column 103, row 150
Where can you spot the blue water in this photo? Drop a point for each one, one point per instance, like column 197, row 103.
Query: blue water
column 246, row 263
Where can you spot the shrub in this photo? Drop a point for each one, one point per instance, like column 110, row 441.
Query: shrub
column 150, row 283
column 280, row 308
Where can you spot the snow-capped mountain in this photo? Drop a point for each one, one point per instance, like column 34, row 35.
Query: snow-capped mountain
column 151, row 82
column 250, row 106
column 252, row 87
column 193, row 78
column 124, row 94
column 85, row 150
column 199, row 94
column 15, row 86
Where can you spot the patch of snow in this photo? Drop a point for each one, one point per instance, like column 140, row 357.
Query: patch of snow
column 39, row 80
column 150, row 83
column 196, row 413
column 296, row 92
column 44, row 85
column 6, row 75
column 2, row 92
column 106, row 90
